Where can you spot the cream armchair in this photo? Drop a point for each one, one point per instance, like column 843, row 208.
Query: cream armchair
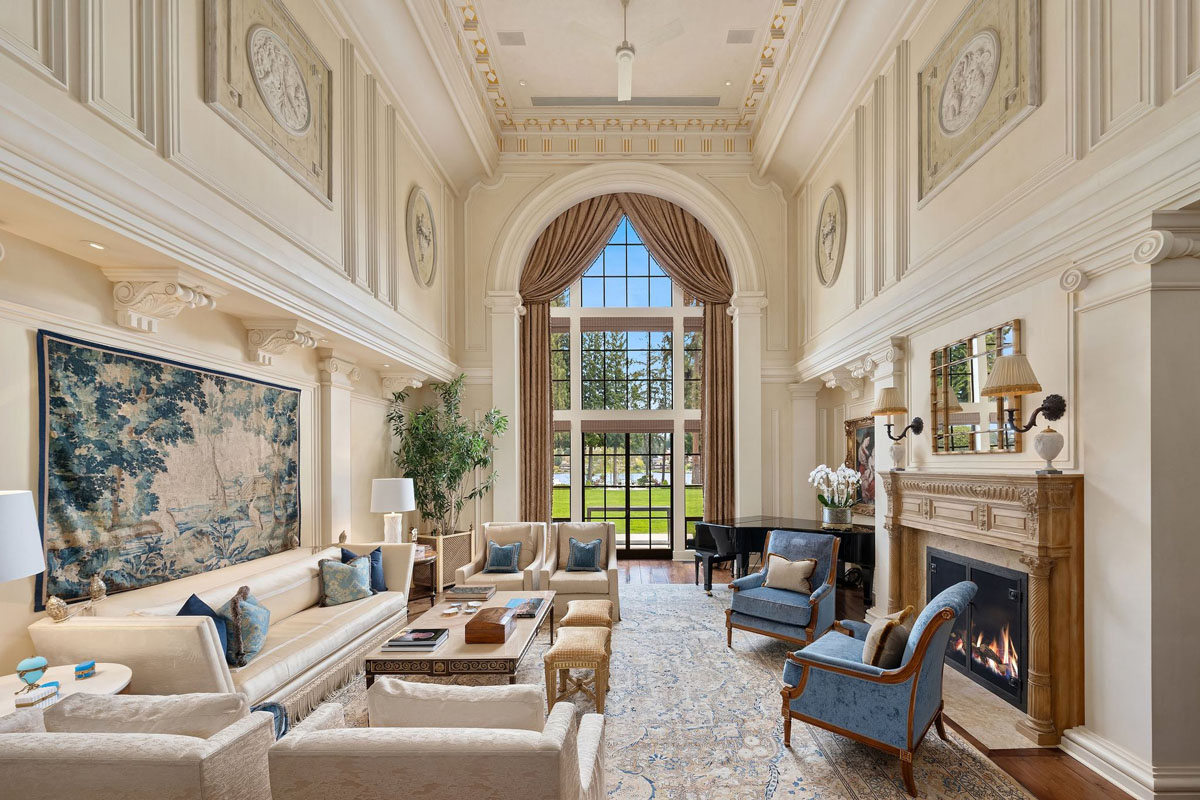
column 126, row 747
column 568, row 586
column 530, row 561
column 521, row 755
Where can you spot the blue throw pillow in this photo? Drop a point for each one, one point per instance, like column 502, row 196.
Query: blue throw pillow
column 502, row 557
column 377, row 582
column 584, row 556
column 344, row 583
column 195, row 607
column 246, row 621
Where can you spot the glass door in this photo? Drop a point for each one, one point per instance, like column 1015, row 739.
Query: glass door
column 627, row 481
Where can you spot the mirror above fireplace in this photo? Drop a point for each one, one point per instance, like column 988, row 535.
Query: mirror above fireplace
column 962, row 420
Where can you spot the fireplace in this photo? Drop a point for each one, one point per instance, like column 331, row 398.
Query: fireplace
column 988, row 643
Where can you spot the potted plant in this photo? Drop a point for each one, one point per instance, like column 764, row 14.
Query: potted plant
column 838, row 492
column 439, row 450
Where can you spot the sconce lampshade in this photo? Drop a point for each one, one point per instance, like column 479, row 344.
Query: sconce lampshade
column 1011, row 375
column 20, row 537
column 952, row 406
column 389, row 495
column 889, row 402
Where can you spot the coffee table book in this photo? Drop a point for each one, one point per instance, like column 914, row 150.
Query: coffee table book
column 470, row 593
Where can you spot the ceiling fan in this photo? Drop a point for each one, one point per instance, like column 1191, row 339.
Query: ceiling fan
column 624, row 59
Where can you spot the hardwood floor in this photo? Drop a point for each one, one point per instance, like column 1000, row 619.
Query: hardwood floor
column 1046, row 773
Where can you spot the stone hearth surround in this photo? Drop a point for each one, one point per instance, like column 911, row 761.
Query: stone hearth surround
column 1031, row 523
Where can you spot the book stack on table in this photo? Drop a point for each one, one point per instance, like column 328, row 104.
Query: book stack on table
column 480, row 593
column 417, row 640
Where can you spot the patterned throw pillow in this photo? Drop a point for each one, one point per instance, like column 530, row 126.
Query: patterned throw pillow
column 794, row 576
column 886, row 640
column 378, row 584
column 246, row 623
column 502, row 557
column 344, row 583
column 584, row 556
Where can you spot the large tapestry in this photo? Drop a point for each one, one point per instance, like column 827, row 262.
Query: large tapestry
column 154, row 470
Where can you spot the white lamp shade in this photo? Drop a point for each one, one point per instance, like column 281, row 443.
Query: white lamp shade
column 889, row 402
column 1011, row 375
column 389, row 495
column 20, row 537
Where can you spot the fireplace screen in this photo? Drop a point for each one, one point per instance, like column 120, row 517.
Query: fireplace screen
column 988, row 642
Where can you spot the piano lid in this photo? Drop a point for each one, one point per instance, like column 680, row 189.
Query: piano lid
column 783, row 524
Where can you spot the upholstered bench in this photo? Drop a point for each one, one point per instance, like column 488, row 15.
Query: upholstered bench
column 578, row 648
column 588, row 614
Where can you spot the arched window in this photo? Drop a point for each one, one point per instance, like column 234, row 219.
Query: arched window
column 625, row 361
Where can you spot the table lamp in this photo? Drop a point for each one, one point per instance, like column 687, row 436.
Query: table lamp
column 1012, row 376
column 392, row 497
column 20, row 537
column 888, row 403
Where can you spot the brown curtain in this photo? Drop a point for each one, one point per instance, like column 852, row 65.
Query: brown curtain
column 560, row 255
column 691, row 256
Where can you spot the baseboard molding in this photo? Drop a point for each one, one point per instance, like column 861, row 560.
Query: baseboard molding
column 1132, row 774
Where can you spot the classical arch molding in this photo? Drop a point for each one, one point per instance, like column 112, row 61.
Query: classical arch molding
column 701, row 200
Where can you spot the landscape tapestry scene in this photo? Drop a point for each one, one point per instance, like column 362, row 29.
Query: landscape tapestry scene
column 153, row 470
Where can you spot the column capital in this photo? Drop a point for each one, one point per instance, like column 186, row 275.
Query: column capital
column 1172, row 234
column 803, row 390
column 267, row 338
column 504, row 304
column 337, row 369
column 144, row 297
column 749, row 304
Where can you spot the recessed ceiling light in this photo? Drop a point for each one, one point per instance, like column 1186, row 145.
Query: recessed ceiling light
column 387, row 365
column 523, row 83
column 95, row 245
column 322, row 340
column 729, row 83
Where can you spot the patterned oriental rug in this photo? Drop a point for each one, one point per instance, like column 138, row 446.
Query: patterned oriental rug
column 689, row 718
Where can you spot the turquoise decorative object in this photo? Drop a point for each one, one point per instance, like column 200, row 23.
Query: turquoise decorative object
column 85, row 670
column 30, row 671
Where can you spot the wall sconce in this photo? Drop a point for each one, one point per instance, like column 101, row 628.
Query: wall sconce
column 1012, row 376
column 888, row 403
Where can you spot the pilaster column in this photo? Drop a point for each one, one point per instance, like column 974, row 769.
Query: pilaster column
column 505, row 312
column 1039, row 722
column 338, row 375
column 747, row 310
column 144, row 297
column 884, row 366
column 804, row 446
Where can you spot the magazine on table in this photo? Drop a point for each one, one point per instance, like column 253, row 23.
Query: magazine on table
column 526, row 606
column 417, row 637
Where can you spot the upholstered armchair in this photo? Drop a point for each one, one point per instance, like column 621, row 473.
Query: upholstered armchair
column 790, row 616
column 828, row 685
column 135, row 748
column 531, row 535
column 491, row 741
column 568, row 586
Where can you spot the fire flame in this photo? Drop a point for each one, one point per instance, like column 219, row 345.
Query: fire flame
column 998, row 655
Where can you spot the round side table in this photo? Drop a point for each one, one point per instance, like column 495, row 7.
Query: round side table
column 109, row 679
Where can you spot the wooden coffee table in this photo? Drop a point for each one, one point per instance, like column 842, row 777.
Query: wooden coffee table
column 456, row 657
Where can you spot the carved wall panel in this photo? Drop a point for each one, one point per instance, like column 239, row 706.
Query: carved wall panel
column 35, row 33
column 117, row 66
column 266, row 78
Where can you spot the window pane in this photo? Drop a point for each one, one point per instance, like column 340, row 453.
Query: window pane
column 593, row 292
column 614, row 292
column 614, row 260
column 639, row 293
column 660, row 292
column 560, row 486
column 638, row 261
column 563, row 300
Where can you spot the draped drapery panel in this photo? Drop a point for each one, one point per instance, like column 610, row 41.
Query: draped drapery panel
column 690, row 255
column 559, row 256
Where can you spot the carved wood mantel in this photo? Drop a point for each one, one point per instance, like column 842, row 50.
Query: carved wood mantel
column 1040, row 519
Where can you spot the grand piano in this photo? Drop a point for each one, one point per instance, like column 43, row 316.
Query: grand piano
column 742, row 536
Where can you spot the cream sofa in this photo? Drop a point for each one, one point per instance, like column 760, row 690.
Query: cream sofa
column 531, row 535
column 520, row 754
column 568, row 586
column 309, row 650
column 198, row 747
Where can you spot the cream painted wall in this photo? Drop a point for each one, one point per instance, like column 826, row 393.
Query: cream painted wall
column 1042, row 228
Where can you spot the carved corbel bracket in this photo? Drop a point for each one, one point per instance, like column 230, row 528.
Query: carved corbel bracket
column 144, row 297
column 1173, row 234
column 266, row 339
column 842, row 378
column 399, row 382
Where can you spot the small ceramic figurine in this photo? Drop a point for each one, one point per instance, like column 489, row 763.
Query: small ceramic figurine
column 97, row 590
column 56, row 609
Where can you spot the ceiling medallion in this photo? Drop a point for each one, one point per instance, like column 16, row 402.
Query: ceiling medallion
column 279, row 81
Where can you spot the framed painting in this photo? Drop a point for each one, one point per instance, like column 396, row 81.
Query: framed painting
column 153, row 470
column 979, row 82
column 860, row 457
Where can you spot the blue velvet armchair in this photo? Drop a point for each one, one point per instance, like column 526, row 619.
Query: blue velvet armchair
column 829, row 686
column 791, row 616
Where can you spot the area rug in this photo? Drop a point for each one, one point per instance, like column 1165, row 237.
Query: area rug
column 689, row 718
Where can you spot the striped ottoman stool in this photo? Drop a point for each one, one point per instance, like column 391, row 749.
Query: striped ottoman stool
column 578, row 648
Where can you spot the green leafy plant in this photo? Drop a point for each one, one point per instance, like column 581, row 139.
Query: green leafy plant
column 440, row 450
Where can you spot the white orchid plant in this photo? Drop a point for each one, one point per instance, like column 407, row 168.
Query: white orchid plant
column 836, row 488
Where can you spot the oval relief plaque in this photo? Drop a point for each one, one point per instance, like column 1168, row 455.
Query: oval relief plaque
column 969, row 82
column 831, row 236
column 279, row 81
column 422, row 237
